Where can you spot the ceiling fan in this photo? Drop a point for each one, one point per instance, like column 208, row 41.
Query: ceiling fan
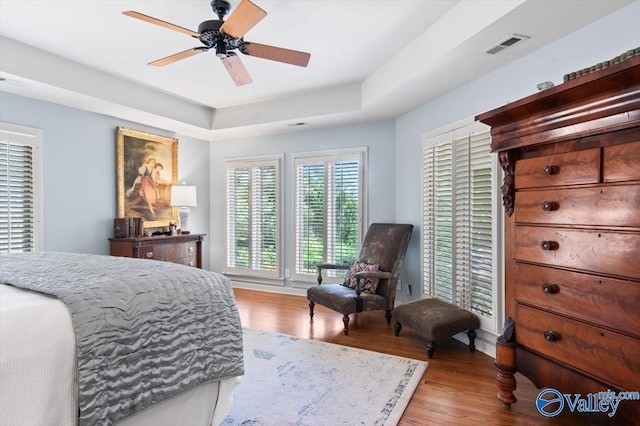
column 226, row 37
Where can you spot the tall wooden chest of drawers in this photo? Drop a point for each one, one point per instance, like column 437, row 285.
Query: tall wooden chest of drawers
column 571, row 193
column 185, row 249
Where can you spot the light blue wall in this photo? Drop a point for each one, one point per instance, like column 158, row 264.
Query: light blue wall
column 600, row 41
column 80, row 172
column 378, row 137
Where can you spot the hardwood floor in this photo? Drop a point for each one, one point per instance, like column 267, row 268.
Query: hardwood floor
column 458, row 387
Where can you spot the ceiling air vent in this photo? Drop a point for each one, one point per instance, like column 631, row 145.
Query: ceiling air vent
column 512, row 40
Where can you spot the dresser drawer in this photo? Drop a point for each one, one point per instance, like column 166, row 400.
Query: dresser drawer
column 571, row 168
column 167, row 251
column 188, row 261
column 604, row 252
column 605, row 301
column 603, row 205
column 622, row 162
column 610, row 356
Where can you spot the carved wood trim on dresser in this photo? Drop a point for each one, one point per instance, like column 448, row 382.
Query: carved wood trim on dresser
column 571, row 194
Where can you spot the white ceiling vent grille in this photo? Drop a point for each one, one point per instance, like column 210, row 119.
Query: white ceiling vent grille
column 510, row 41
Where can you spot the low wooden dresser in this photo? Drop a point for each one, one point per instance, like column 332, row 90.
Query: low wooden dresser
column 185, row 249
column 571, row 194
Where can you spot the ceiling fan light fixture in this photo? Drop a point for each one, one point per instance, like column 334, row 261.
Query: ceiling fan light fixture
column 221, row 49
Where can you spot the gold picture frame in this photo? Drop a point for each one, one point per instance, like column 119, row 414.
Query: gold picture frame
column 146, row 167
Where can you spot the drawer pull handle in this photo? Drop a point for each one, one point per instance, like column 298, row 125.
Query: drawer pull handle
column 549, row 245
column 550, row 336
column 149, row 254
column 549, row 206
column 191, row 263
column 550, row 170
column 549, row 288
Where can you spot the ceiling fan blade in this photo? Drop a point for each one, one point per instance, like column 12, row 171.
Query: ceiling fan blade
column 177, row 56
column 236, row 69
column 273, row 53
column 244, row 17
column 160, row 22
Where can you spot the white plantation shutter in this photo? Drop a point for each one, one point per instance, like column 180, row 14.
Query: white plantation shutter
column 20, row 193
column 310, row 216
column 479, row 285
column 343, row 187
column 329, row 209
column 458, row 226
column 264, row 237
column 253, row 220
column 238, row 205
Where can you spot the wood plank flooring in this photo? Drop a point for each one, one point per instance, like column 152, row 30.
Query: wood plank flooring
column 458, row 388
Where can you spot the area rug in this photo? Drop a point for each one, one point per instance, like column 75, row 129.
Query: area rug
column 292, row 381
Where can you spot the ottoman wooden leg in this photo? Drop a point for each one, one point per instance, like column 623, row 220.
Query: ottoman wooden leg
column 472, row 339
column 345, row 320
column 431, row 347
column 397, row 327
column 311, row 305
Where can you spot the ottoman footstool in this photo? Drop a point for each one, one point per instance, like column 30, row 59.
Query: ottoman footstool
column 436, row 320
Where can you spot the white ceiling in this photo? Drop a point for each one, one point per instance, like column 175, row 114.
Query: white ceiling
column 369, row 59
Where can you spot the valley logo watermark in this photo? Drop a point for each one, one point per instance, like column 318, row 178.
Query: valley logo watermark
column 551, row 402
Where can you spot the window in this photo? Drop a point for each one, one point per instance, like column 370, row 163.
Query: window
column 20, row 189
column 459, row 221
column 253, row 218
column 329, row 204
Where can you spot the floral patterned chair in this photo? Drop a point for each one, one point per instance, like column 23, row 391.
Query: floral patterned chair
column 372, row 278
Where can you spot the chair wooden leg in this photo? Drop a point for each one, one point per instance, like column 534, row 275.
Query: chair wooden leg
column 387, row 315
column 472, row 339
column 431, row 347
column 397, row 327
column 345, row 320
column 311, row 305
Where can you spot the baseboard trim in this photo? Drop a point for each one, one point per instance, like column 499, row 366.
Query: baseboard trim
column 270, row 289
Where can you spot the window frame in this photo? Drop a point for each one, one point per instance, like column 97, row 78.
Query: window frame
column 359, row 154
column 23, row 135
column 450, row 133
column 256, row 275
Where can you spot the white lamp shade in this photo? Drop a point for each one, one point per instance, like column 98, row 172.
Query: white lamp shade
column 183, row 196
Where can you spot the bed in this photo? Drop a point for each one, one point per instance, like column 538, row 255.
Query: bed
column 89, row 339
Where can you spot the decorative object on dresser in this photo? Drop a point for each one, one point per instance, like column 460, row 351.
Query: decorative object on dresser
column 127, row 227
column 146, row 168
column 571, row 193
column 183, row 249
column 184, row 196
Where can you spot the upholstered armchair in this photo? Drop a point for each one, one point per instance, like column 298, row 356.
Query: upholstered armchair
column 372, row 278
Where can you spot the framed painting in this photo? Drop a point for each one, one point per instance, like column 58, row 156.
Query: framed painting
column 146, row 167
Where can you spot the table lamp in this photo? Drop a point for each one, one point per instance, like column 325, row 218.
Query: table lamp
column 183, row 197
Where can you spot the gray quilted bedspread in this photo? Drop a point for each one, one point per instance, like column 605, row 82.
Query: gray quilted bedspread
column 145, row 330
